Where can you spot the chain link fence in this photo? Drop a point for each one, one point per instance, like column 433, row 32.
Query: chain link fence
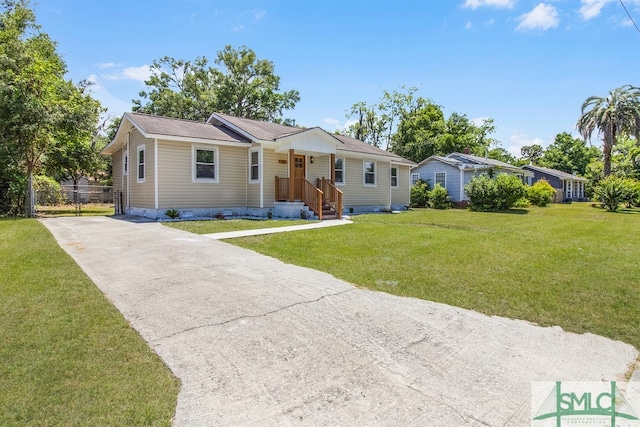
column 73, row 199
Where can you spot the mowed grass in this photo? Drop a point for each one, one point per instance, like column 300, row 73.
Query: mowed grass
column 224, row 225
column 569, row 265
column 67, row 356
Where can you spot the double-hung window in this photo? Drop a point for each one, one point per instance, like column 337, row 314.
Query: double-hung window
column 125, row 162
column 339, row 168
column 441, row 178
column 141, row 163
column 415, row 177
column 254, row 165
column 369, row 173
column 205, row 164
column 394, row 176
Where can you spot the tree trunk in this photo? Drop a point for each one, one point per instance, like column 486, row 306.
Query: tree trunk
column 29, row 206
column 609, row 137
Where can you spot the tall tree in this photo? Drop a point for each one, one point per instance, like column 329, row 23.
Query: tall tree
column 532, row 153
column 418, row 133
column 242, row 85
column 611, row 116
column 568, row 154
column 39, row 109
column 376, row 124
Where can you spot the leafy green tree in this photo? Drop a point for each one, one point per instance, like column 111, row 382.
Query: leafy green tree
column 242, row 85
column 420, row 194
column 612, row 116
column 376, row 124
column 569, row 154
column 40, row 111
column 419, row 132
column 532, row 153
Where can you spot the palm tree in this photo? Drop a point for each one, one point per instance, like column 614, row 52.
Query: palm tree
column 617, row 113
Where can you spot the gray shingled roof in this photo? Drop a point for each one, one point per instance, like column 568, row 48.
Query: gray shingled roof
column 158, row 125
column 554, row 172
column 357, row 146
column 483, row 160
column 272, row 131
column 265, row 131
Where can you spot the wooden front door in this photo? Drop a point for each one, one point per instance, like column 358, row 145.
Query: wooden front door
column 299, row 175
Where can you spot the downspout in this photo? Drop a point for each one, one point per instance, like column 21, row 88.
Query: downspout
column 461, row 168
column 390, row 196
column 128, row 172
column 155, row 173
column 261, row 176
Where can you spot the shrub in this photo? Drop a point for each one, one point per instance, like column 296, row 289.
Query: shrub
column 522, row 203
column 614, row 190
column 172, row 213
column 439, row 198
column 482, row 193
column 633, row 197
column 48, row 190
column 540, row 193
column 499, row 194
column 420, row 195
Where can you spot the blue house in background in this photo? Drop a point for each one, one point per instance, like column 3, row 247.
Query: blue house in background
column 568, row 186
column 454, row 172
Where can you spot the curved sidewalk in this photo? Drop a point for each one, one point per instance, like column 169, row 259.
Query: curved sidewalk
column 255, row 341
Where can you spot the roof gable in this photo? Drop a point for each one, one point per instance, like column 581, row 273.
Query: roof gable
column 160, row 127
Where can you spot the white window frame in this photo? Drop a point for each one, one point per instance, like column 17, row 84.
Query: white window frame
column 194, row 168
column 344, row 161
column 141, row 148
column 257, row 165
column 415, row 177
column 364, row 173
column 435, row 178
column 397, row 184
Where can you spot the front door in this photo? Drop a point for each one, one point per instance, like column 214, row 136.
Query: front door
column 299, row 175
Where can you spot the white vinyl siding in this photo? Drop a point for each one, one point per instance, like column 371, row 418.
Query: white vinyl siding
column 177, row 188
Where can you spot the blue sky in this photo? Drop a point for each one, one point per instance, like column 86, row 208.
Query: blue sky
column 529, row 65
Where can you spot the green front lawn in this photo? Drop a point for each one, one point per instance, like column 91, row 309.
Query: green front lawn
column 67, row 356
column 569, row 265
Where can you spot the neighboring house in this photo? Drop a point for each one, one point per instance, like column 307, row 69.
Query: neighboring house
column 454, row 172
column 234, row 167
column 568, row 187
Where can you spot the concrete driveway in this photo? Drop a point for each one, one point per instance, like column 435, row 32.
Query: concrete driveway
column 255, row 341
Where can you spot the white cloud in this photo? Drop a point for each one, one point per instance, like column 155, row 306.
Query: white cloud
column 258, row 15
column 469, row 25
column 542, row 17
column 474, row 4
column 479, row 121
column 104, row 65
column 140, row 73
column 519, row 139
column 591, row 8
column 337, row 125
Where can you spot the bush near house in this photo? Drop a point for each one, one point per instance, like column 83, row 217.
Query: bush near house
column 541, row 193
column 494, row 195
column 420, row 195
column 439, row 198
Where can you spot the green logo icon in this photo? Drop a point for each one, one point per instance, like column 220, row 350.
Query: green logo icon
column 584, row 405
